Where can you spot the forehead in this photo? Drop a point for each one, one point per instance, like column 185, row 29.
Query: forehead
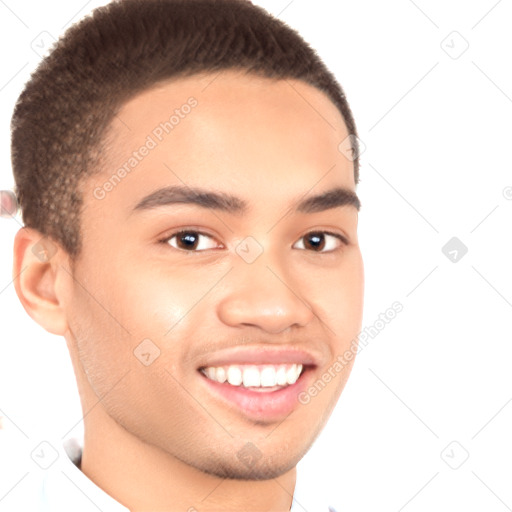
column 229, row 131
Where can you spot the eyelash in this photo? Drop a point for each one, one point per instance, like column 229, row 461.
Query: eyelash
column 181, row 232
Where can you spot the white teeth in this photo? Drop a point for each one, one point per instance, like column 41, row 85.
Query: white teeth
column 292, row 375
column 220, row 375
column 234, row 375
column 252, row 376
column 268, row 376
column 281, row 376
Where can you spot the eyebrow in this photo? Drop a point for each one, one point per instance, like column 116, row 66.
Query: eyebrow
column 334, row 198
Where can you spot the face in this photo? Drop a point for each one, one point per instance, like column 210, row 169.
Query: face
column 221, row 280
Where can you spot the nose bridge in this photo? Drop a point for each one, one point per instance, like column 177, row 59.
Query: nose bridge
column 261, row 294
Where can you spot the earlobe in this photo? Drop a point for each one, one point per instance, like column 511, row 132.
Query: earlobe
column 37, row 279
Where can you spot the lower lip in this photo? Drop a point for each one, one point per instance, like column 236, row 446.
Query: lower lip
column 261, row 405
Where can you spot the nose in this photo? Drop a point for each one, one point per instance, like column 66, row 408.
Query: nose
column 259, row 296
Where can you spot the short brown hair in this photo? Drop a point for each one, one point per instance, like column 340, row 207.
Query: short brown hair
column 120, row 50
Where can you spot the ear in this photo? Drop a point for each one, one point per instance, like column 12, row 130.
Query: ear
column 40, row 275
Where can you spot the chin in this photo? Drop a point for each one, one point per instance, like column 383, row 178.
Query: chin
column 264, row 468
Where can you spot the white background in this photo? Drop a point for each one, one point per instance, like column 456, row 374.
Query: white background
column 438, row 132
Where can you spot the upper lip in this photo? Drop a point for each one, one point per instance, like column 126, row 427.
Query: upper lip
column 261, row 355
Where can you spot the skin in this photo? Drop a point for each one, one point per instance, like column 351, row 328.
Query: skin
column 155, row 438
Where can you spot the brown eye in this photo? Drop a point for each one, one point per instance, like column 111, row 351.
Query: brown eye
column 192, row 241
column 320, row 241
column 314, row 241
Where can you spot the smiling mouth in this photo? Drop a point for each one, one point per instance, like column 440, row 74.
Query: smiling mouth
column 261, row 391
column 264, row 377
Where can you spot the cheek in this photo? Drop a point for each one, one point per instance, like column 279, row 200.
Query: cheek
column 131, row 302
column 102, row 342
column 112, row 312
column 154, row 300
column 128, row 361
column 133, row 309
column 337, row 296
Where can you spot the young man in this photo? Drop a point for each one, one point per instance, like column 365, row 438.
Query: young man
column 186, row 170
